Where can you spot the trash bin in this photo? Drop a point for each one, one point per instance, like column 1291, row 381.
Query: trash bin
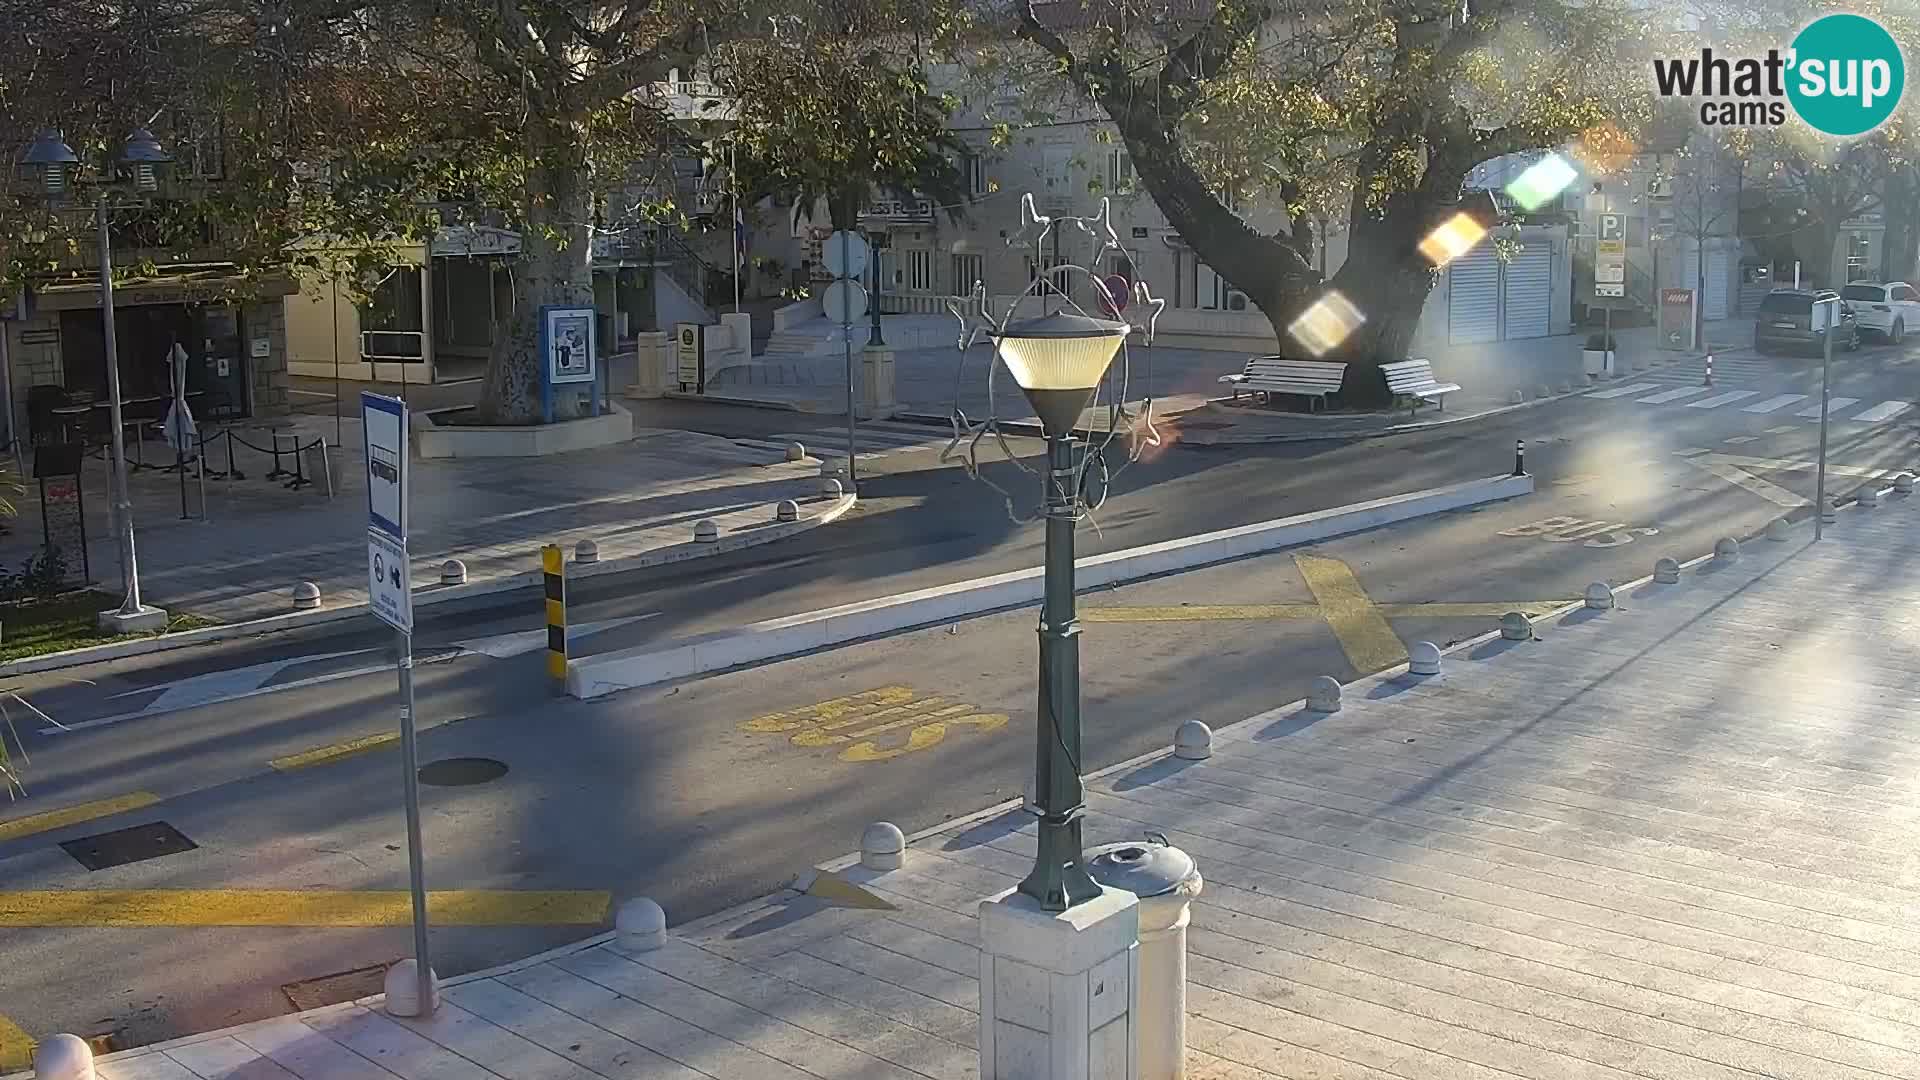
column 1166, row 881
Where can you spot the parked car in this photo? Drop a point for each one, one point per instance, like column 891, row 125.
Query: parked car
column 1785, row 322
column 1885, row 308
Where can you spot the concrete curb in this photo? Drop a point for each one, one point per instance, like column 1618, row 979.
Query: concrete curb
column 424, row 596
column 596, row 676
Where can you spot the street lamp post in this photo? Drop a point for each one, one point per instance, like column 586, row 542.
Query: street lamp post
column 1058, row 360
column 142, row 158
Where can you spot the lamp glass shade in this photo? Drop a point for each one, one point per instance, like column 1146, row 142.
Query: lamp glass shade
column 1058, row 360
column 142, row 148
column 48, row 160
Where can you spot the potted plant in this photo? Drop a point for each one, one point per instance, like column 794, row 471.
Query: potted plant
column 1597, row 357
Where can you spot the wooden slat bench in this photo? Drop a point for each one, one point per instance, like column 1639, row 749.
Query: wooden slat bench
column 1413, row 381
column 1268, row 375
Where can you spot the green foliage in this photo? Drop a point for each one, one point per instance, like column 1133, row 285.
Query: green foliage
column 40, row 577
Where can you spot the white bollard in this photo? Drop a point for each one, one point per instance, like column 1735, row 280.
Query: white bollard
column 830, row 488
column 1566, row 388
column 1193, row 741
column 1726, row 549
column 786, row 510
column 795, row 451
column 1423, row 658
column 1545, row 391
column 1869, row 497
column 833, row 466
column 403, row 989
column 705, row 531
column 1517, row 397
column 306, row 596
column 1778, row 529
column 1599, row 596
column 1515, row 626
column 453, row 572
column 1166, row 881
column 1828, row 515
column 1323, row 694
column 586, row 551
column 640, row 925
column 883, row 846
column 1903, row 483
column 1666, row 572
column 63, row 1057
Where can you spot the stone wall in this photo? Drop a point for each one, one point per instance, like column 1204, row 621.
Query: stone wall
column 267, row 320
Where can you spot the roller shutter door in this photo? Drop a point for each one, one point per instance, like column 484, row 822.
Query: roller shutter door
column 1527, row 309
column 1473, row 297
column 1715, row 291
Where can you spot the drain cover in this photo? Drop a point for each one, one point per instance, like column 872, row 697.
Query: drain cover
column 123, row 846
column 461, row 771
column 336, row 988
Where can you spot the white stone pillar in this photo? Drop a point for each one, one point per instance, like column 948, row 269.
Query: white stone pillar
column 876, row 384
column 654, row 364
column 1059, row 990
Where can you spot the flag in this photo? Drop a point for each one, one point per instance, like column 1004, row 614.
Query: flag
column 739, row 237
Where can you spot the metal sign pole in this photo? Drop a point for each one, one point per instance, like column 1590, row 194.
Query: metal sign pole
column 846, row 345
column 416, row 871
column 1826, row 389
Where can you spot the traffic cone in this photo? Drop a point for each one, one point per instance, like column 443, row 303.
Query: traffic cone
column 1708, row 381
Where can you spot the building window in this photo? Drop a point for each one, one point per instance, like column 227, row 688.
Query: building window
column 976, row 170
column 967, row 269
column 1120, row 179
column 919, row 271
column 392, row 319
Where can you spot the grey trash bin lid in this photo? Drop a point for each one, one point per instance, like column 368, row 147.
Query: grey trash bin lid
column 1142, row 868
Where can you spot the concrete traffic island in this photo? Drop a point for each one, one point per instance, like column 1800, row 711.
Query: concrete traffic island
column 436, row 435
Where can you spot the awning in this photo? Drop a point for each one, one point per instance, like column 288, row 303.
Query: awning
column 207, row 286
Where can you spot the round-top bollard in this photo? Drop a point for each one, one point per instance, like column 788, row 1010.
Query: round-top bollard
column 830, row 487
column 640, row 925
column 1599, row 596
column 787, row 510
column 795, row 451
column 63, row 1057
column 1515, row 626
column 1829, row 515
column 1903, row 483
column 1517, row 397
column 883, row 846
column 1193, row 741
column 403, row 989
column 1166, row 881
column 306, row 596
column 1726, row 549
column 833, row 466
column 1566, row 388
column 1778, row 529
column 705, row 531
column 1423, row 658
column 1666, row 572
column 453, row 572
column 1869, row 497
column 586, row 551
column 1323, row 694
column 1545, row 390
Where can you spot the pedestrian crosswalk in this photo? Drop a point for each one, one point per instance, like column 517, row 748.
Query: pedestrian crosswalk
column 872, row 439
column 1802, row 406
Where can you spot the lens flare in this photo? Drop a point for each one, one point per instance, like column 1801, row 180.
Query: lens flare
column 1453, row 238
column 1330, row 321
column 1542, row 181
column 1605, row 149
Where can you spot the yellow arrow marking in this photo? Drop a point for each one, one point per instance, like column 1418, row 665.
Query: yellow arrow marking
column 73, row 815
column 274, row 907
column 1364, row 633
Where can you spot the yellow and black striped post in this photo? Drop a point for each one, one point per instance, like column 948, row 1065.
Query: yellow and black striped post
column 554, row 566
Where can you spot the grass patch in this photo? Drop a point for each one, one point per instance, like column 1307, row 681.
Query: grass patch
column 38, row 627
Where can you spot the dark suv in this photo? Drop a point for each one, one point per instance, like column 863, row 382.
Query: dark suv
column 1785, row 322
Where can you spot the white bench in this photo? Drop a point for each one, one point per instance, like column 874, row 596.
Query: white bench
column 1414, row 381
column 1268, row 375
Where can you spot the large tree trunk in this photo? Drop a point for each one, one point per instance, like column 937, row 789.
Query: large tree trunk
column 1903, row 225
column 555, row 267
column 1387, row 280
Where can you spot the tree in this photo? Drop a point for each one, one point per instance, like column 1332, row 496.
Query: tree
column 1703, row 181
column 1398, row 99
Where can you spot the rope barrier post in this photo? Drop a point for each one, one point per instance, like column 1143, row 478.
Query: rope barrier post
column 202, row 470
column 180, row 463
column 277, row 472
column 326, row 465
column 299, row 467
column 233, row 471
column 553, row 565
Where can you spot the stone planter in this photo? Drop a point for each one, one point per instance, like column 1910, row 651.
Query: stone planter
column 1597, row 363
column 433, row 440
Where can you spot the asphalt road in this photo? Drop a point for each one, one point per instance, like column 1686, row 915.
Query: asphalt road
column 712, row 792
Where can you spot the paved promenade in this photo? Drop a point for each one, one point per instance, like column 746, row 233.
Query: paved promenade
column 1670, row 841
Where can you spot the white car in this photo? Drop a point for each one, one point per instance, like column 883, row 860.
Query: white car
column 1887, row 309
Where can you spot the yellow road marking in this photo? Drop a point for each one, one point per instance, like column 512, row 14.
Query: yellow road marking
column 1471, row 611
column 321, row 755
column 840, row 892
column 1364, row 633
column 16, row 1047
column 830, row 710
column 274, row 907
column 870, row 713
column 1201, row 613
column 921, row 737
column 71, row 815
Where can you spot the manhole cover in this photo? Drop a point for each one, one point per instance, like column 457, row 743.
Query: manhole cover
column 336, row 988
column 461, row 771
column 123, row 846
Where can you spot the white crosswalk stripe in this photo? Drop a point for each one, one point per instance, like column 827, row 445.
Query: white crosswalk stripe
column 1727, row 398
column 871, row 440
column 1772, row 404
column 1623, row 391
column 1674, row 395
column 1886, row 410
column 1833, row 406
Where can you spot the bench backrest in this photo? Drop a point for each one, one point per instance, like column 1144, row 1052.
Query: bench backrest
column 1316, row 373
column 1408, row 375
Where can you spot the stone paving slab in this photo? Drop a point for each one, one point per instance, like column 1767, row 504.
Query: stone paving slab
column 638, row 501
column 1671, row 841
